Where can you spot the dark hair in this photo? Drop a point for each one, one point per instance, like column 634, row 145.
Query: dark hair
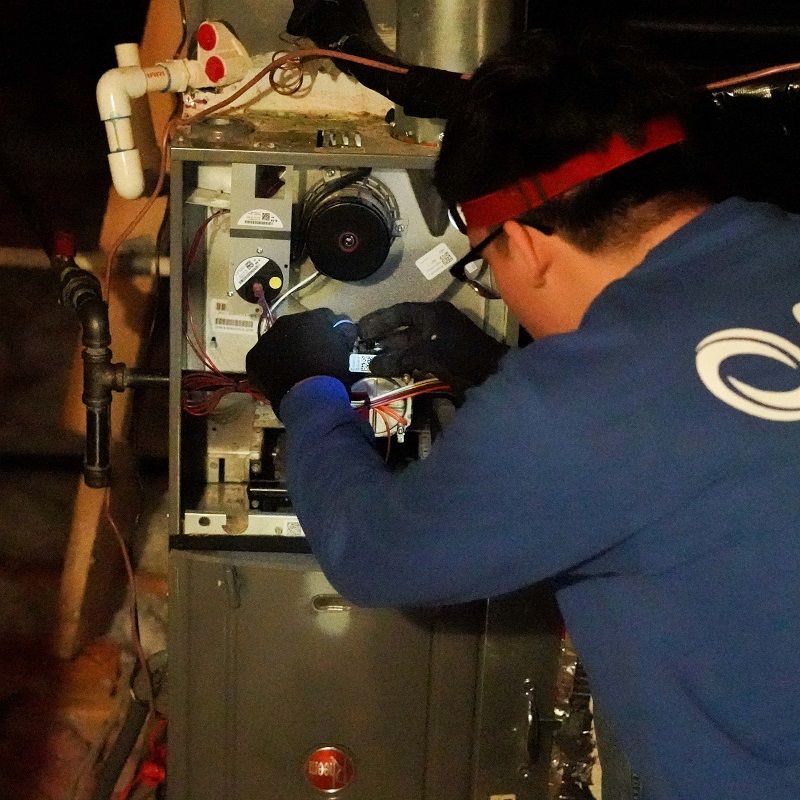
column 549, row 96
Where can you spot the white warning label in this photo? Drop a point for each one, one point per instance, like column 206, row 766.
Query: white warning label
column 293, row 528
column 260, row 218
column 436, row 261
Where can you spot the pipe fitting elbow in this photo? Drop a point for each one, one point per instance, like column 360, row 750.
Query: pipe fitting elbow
column 115, row 89
column 114, row 92
column 93, row 315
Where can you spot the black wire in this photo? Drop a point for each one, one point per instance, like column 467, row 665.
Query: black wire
column 184, row 27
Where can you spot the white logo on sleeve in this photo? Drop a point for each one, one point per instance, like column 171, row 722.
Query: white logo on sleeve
column 715, row 349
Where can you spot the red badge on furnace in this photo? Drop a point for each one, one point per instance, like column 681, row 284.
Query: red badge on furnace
column 329, row 769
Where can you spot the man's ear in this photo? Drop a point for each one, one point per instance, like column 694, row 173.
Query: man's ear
column 531, row 250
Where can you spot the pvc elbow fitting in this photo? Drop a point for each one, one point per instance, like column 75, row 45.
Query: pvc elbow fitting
column 114, row 92
column 115, row 89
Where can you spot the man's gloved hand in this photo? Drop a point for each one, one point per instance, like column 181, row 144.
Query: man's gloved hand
column 299, row 346
column 431, row 337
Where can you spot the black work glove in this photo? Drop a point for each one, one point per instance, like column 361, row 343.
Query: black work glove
column 299, row 346
column 431, row 337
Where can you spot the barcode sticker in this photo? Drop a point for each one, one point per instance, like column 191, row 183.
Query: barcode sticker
column 237, row 323
column 436, row 261
column 260, row 218
column 359, row 362
column 224, row 321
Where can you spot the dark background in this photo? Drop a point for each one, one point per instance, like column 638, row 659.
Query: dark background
column 53, row 167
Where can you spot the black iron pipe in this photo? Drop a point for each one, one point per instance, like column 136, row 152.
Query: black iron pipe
column 81, row 291
column 134, row 379
column 96, row 458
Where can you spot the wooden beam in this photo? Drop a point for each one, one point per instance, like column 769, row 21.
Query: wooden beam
column 93, row 581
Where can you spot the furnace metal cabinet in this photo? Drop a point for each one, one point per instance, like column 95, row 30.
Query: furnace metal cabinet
column 426, row 705
column 280, row 690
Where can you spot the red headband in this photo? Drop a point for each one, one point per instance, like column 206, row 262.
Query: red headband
column 529, row 193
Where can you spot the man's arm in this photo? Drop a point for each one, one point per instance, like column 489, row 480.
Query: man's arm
column 543, row 468
column 493, row 508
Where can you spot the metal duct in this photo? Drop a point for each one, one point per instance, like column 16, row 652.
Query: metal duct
column 452, row 35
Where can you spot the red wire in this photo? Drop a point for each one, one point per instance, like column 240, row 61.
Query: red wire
column 387, row 409
column 162, row 173
column 152, row 770
column 133, row 604
column 214, row 384
column 214, row 387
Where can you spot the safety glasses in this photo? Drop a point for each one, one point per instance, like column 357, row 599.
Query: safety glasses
column 458, row 270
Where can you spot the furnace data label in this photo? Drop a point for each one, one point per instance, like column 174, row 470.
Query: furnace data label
column 223, row 321
column 436, row 261
column 260, row 218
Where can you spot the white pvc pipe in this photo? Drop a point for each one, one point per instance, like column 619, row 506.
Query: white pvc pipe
column 127, row 54
column 117, row 87
column 114, row 92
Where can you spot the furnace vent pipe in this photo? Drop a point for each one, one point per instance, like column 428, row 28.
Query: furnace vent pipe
column 453, row 35
column 222, row 60
column 115, row 90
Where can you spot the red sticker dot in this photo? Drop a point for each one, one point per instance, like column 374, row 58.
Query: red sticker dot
column 215, row 69
column 206, row 36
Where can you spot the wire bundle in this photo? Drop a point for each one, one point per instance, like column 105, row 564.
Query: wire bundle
column 202, row 391
column 383, row 405
column 268, row 317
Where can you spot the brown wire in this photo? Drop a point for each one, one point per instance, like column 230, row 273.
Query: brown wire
column 288, row 78
column 752, row 76
column 297, row 55
column 133, row 604
column 162, row 172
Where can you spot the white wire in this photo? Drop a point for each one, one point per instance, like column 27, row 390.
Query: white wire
column 296, row 288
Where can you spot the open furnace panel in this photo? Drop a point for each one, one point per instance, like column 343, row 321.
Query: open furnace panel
column 260, row 205
column 282, row 688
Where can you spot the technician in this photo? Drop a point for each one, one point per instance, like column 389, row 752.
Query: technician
column 642, row 455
